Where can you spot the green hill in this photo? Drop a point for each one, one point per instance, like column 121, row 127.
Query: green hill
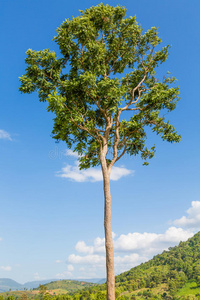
column 174, row 274
column 7, row 284
column 60, row 287
column 67, row 285
column 172, row 269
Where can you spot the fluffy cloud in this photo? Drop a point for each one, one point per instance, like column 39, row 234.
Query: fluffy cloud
column 130, row 250
column 128, row 261
column 59, row 261
column 6, row 268
column 64, row 275
column 70, row 268
column 38, row 277
column 69, row 152
column 88, row 259
column 193, row 219
column 92, row 174
column 137, row 242
column 98, row 247
column 67, row 273
column 94, row 264
column 150, row 242
column 5, row 135
column 82, row 248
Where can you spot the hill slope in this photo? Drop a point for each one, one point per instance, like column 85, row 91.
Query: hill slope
column 178, row 265
column 174, row 273
column 6, row 284
column 67, row 285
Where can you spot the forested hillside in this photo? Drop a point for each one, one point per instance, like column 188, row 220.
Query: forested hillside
column 173, row 268
column 67, row 285
column 164, row 276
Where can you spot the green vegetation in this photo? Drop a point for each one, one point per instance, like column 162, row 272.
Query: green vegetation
column 170, row 272
column 54, row 287
column 67, row 285
column 191, row 288
column 172, row 275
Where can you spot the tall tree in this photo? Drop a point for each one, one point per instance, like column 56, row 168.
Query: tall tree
column 105, row 69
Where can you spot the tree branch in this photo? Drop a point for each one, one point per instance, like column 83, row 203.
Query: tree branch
column 98, row 105
column 115, row 153
column 146, row 70
column 123, row 152
column 80, row 126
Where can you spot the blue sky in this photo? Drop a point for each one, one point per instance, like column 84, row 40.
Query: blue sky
column 52, row 226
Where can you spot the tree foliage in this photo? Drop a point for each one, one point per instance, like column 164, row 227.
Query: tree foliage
column 105, row 69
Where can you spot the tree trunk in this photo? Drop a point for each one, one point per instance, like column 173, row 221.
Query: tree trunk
column 108, row 235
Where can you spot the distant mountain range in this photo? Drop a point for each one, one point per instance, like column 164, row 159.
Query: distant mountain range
column 7, row 284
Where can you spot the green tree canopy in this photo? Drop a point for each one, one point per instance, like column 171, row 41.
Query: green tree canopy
column 106, row 68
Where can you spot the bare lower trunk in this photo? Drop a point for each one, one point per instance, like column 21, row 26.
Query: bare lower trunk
column 108, row 236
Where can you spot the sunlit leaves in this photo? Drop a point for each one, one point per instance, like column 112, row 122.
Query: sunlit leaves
column 87, row 94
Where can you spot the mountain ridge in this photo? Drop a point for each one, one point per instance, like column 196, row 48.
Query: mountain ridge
column 6, row 283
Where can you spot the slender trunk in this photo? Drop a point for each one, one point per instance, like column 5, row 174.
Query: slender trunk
column 108, row 235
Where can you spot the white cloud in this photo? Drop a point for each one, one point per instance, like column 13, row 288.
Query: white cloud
column 132, row 248
column 0, row 239
column 69, row 152
column 64, row 275
column 82, row 248
column 134, row 241
column 70, row 268
column 128, row 259
column 88, row 259
column 193, row 219
column 98, row 247
column 5, row 135
column 137, row 242
column 143, row 242
column 99, row 244
column 6, row 268
column 93, row 264
column 59, row 261
column 92, row 174
column 118, row 172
